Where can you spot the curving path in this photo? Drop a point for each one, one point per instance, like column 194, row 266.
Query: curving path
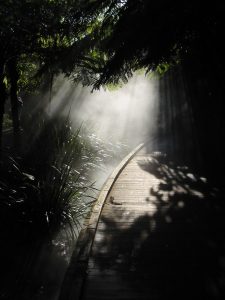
column 155, row 233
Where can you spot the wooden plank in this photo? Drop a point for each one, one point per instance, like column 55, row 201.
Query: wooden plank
column 139, row 249
column 128, row 203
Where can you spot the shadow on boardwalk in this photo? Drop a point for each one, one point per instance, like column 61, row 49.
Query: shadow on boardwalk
column 178, row 251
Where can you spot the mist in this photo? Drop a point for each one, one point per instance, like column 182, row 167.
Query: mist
column 126, row 114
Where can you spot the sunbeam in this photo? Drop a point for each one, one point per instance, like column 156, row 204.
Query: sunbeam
column 127, row 113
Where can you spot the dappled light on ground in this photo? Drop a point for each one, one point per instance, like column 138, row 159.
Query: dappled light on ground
column 166, row 241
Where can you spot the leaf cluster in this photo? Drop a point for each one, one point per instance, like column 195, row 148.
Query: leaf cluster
column 47, row 189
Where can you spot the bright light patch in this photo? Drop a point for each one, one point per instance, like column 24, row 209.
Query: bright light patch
column 126, row 114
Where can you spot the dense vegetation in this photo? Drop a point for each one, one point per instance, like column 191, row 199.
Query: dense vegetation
column 97, row 43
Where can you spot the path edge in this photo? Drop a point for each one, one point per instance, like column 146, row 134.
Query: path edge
column 107, row 187
column 75, row 275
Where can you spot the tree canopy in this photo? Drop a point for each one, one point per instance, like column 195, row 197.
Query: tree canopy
column 155, row 34
column 99, row 42
column 104, row 41
column 44, row 33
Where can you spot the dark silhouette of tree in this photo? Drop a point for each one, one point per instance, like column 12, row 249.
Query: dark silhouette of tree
column 151, row 34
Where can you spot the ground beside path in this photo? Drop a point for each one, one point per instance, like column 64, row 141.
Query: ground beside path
column 160, row 236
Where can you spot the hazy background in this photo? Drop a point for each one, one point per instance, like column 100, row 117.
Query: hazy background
column 126, row 114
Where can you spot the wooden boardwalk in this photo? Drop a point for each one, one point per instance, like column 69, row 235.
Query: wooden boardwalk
column 154, row 239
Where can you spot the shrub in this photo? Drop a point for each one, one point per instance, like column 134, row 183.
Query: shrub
column 47, row 188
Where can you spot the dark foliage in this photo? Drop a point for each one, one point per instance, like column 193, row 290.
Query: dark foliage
column 149, row 34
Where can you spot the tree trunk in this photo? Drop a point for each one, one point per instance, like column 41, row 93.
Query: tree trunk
column 14, row 76
column 15, row 105
column 2, row 100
